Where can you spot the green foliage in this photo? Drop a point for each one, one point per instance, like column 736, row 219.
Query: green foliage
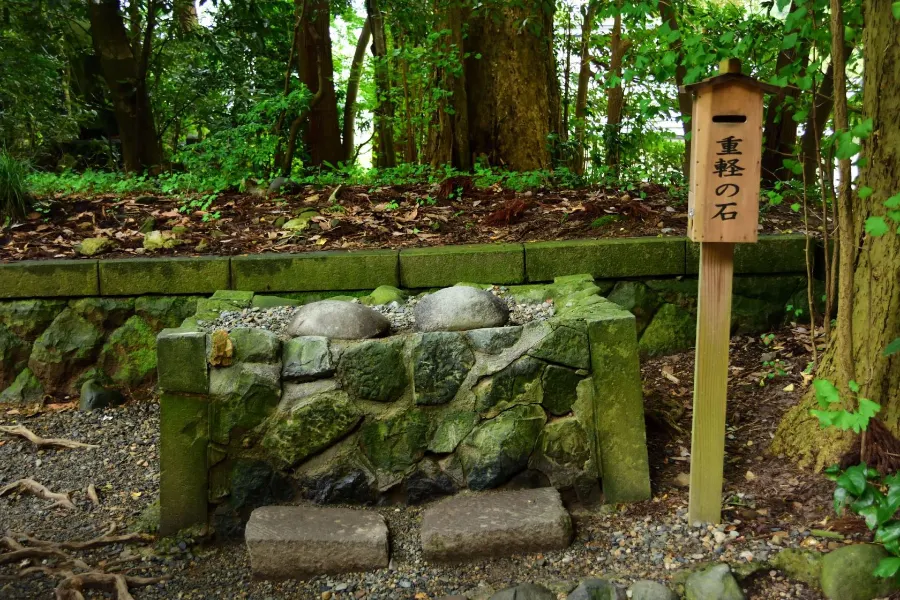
column 876, row 499
column 14, row 198
column 827, row 395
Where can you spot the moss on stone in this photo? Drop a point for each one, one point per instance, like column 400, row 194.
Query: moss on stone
column 29, row 318
column 26, row 389
column 182, row 461
column 66, row 347
column 452, row 428
column 559, row 386
column 315, row 271
column 672, row 330
column 605, row 259
column 384, row 294
column 162, row 312
column 243, row 396
column 14, row 353
column 562, row 452
column 396, row 443
column 783, row 253
column 564, row 346
column 49, row 279
column 440, row 362
column 252, row 344
column 374, row 370
column 137, row 276
column 129, row 355
column 106, row 313
column 311, row 425
column 801, row 565
column 518, row 383
column 446, row 265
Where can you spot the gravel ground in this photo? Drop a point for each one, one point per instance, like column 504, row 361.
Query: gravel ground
column 401, row 315
column 771, row 505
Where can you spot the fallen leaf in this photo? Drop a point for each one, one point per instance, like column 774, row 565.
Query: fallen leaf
column 750, row 476
column 788, row 388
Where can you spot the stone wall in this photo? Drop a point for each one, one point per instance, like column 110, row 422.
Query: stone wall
column 249, row 419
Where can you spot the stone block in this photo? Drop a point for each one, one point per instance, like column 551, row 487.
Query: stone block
column 182, row 458
column 136, row 276
column 306, row 358
column 441, row 362
column 315, row 271
column 771, row 254
column 605, row 259
column 181, row 361
column 448, row 265
column 495, row 524
column 619, row 408
column 302, row 541
column 252, row 344
column 49, row 279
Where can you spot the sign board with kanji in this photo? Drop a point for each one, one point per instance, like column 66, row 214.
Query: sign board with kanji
column 726, row 150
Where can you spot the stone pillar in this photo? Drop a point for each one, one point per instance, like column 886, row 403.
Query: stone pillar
column 619, row 407
column 184, row 429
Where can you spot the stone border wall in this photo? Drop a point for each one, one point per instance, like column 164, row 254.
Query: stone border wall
column 417, row 268
column 247, row 432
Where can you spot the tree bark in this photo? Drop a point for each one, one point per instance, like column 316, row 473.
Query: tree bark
column 584, row 81
column 125, row 73
column 352, row 91
column 448, row 135
column 615, row 95
column 186, row 14
column 874, row 276
column 385, row 156
column 780, row 130
column 513, row 93
column 685, row 101
column 322, row 135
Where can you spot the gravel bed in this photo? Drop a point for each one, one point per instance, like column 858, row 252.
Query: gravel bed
column 400, row 314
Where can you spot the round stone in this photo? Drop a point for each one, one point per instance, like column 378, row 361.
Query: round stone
column 338, row 320
column 460, row 309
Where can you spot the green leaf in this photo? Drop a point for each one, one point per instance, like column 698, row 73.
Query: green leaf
column 895, row 8
column 893, row 201
column 889, row 532
column 867, row 408
column 826, row 393
column 862, row 129
column 789, row 41
column 854, row 479
column 877, row 226
column 854, row 387
column 864, row 192
column 796, row 208
column 888, row 566
column 841, row 499
column 826, row 417
column 892, row 348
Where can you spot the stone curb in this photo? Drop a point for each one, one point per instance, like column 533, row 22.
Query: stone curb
column 414, row 268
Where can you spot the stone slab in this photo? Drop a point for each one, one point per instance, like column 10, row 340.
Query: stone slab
column 181, row 361
column 315, row 271
column 448, row 265
column 771, row 254
column 287, row 542
column 182, row 461
column 49, row 279
column 136, row 276
column 495, row 524
column 605, row 259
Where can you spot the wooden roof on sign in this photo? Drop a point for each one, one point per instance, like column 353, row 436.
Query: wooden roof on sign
column 730, row 72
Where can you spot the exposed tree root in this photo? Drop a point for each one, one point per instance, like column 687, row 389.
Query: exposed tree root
column 74, row 583
column 92, row 495
column 36, row 489
column 40, row 442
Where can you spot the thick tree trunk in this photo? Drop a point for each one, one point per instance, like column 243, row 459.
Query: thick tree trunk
column 513, row 93
column 385, row 155
column 685, row 102
column 323, row 133
column 125, row 74
column 186, row 14
column 448, row 135
column 352, row 91
column 874, row 276
column 584, row 81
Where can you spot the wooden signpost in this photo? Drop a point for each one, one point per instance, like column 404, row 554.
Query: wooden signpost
column 723, row 209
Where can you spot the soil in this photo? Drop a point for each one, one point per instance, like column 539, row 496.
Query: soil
column 769, row 503
column 358, row 218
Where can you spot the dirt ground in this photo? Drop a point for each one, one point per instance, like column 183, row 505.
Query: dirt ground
column 358, row 217
column 768, row 503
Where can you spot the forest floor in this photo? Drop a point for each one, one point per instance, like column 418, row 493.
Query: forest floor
column 358, row 217
column 769, row 503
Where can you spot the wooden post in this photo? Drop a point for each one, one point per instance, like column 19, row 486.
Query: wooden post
column 723, row 209
column 711, row 381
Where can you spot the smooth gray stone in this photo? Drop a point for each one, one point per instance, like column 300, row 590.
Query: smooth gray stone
column 338, row 320
column 460, row 309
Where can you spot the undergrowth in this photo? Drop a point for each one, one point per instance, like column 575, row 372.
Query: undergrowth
column 14, row 196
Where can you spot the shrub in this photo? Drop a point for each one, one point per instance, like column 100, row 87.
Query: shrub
column 14, row 196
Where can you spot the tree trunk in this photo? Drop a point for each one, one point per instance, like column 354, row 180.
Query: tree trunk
column 323, row 132
column 125, row 74
column 186, row 14
column 615, row 95
column 780, row 131
column 448, row 135
column 685, row 102
column 874, row 276
column 584, row 81
column 384, row 111
column 513, row 93
column 352, row 91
